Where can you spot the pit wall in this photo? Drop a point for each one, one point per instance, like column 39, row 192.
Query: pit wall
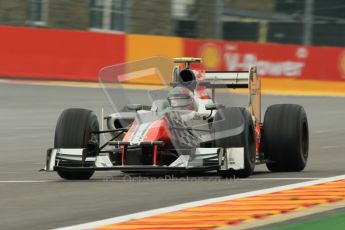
column 78, row 55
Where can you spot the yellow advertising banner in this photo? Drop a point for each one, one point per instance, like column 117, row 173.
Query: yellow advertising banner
column 139, row 47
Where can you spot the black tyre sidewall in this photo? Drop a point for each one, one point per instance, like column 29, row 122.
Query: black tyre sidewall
column 286, row 137
column 73, row 130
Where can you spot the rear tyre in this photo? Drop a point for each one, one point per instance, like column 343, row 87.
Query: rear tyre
column 286, row 138
column 73, row 130
column 240, row 122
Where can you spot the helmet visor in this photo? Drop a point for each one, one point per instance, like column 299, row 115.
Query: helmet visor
column 178, row 101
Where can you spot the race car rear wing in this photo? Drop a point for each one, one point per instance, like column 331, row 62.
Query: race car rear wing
column 237, row 79
column 226, row 79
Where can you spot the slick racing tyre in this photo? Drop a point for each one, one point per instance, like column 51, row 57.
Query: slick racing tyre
column 73, row 130
column 286, row 138
column 233, row 127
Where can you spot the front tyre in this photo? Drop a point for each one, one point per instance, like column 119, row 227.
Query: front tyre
column 74, row 129
column 233, row 127
column 286, row 138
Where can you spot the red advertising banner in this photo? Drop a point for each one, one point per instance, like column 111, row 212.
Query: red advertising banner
column 79, row 55
column 272, row 60
column 57, row 54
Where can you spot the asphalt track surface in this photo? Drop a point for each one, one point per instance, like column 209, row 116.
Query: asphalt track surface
column 34, row 200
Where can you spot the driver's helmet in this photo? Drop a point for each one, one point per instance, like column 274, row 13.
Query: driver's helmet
column 181, row 98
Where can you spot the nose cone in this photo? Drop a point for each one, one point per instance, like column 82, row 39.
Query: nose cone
column 158, row 131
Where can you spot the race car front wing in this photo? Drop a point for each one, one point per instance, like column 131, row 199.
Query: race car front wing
column 201, row 159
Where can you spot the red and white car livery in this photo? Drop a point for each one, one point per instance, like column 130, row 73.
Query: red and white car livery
column 185, row 131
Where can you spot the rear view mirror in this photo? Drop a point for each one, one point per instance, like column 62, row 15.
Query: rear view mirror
column 213, row 106
column 135, row 107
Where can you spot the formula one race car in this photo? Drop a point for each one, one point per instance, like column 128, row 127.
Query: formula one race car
column 185, row 131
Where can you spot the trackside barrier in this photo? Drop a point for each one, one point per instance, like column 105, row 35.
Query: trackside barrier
column 57, row 54
column 272, row 60
column 79, row 55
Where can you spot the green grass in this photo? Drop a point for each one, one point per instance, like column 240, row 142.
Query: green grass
column 335, row 221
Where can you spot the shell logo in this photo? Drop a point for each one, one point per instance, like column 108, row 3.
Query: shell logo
column 342, row 63
column 302, row 52
column 210, row 55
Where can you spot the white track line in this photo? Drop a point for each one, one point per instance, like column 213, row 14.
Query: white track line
column 159, row 211
column 24, row 181
column 285, row 178
column 149, row 180
column 173, row 180
column 49, row 83
column 200, row 179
